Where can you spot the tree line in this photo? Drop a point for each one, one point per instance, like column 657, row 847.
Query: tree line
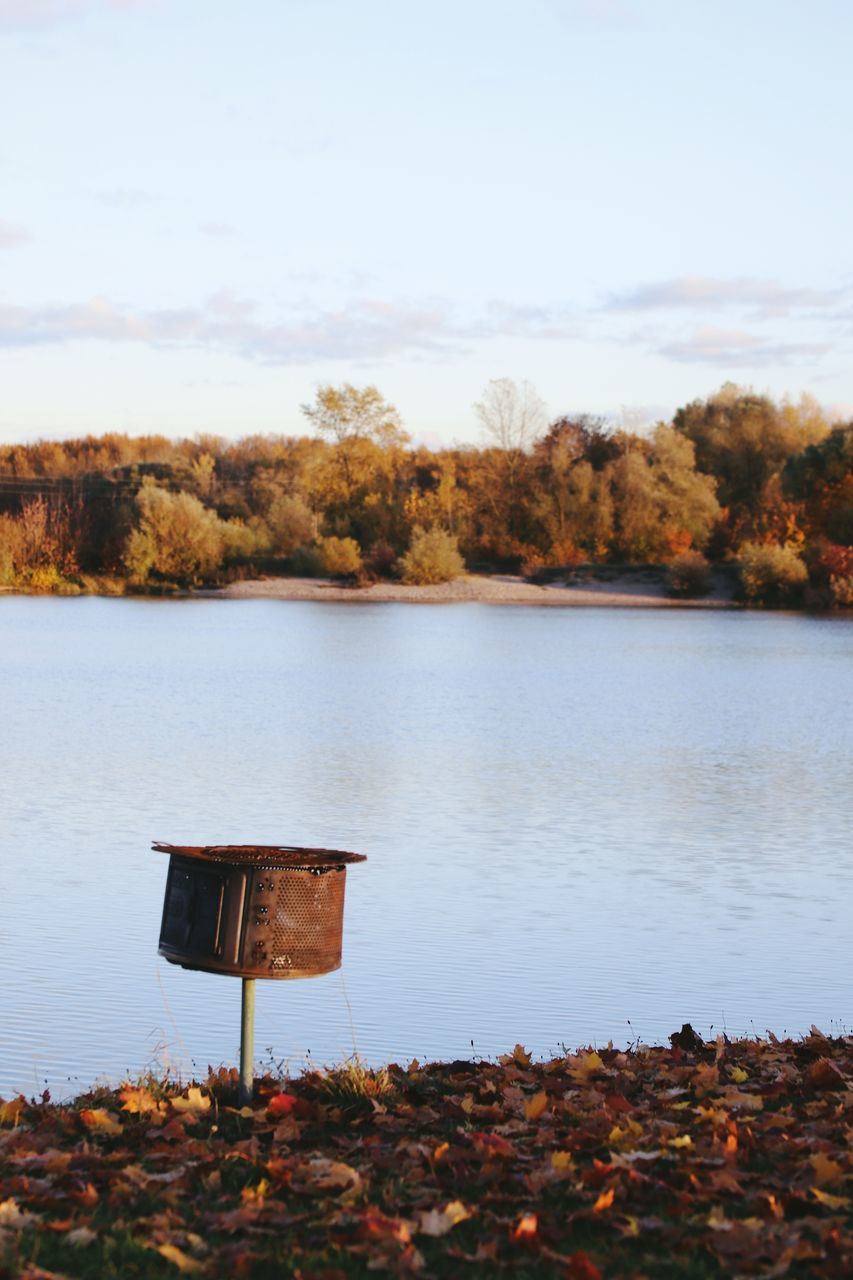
column 737, row 477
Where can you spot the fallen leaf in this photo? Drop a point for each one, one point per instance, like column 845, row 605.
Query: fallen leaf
column 182, row 1260
column 526, row 1227
column 824, row 1074
column 80, row 1237
column 10, row 1112
column 534, row 1107
column 831, row 1201
column 605, row 1200
column 138, row 1101
column 561, row 1161
column 281, row 1104
column 437, row 1222
column 100, row 1121
column 195, row 1102
column 825, row 1170
column 13, row 1217
column 322, row 1175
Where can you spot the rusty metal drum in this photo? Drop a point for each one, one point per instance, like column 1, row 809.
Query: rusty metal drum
column 255, row 911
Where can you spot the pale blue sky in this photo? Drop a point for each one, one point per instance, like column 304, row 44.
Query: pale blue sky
column 207, row 207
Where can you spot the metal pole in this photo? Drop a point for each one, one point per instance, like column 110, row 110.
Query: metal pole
column 247, row 1043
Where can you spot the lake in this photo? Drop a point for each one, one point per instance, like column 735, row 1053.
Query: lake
column 581, row 824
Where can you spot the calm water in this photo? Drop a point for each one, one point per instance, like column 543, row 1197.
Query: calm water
column 581, row 824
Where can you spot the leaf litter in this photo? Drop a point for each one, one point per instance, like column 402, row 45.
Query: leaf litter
column 698, row 1159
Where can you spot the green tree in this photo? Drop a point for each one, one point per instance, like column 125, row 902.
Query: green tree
column 743, row 439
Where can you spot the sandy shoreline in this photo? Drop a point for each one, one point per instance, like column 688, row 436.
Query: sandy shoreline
column 646, row 592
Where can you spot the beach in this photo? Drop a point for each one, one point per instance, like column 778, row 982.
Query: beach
column 646, row 590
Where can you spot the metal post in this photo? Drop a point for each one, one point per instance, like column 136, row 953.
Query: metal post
column 247, row 1043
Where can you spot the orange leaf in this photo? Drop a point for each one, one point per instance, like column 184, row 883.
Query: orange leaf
column 535, row 1106
column 138, row 1101
column 526, row 1228
column 604, row 1201
column 10, row 1112
column 281, row 1104
column 100, row 1121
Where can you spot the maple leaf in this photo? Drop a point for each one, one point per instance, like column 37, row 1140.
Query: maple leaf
column 825, row 1170
column 138, row 1101
column 519, row 1057
column 586, row 1066
column 182, row 1260
column 195, row 1103
column 437, row 1222
column 100, row 1121
column 10, row 1112
column 536, row 1106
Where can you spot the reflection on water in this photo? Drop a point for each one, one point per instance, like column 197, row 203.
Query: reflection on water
column 581, row 824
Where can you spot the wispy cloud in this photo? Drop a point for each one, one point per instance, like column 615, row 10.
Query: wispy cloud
column 20, row 14
column 735, row 347
column 125, row 197
column 218, row 230
column 705, row 293
column 11, row 235
column 365, row 328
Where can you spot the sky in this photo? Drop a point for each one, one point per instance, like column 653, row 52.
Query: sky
column 209, row 208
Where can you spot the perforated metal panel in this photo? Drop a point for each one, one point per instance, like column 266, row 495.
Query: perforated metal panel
column 255, row 911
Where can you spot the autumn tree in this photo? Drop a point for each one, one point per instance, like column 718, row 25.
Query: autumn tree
column 346, row 412
column 743, row 439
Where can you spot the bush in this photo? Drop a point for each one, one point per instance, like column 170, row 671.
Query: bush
column 177, row 539
column 688, row 575
column 771, row 574
column 340, row 557
column 433, row 556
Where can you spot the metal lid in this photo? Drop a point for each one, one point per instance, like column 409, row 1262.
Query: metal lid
column 264, row 855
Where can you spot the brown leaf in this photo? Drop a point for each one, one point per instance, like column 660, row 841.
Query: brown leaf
column 824, row 1074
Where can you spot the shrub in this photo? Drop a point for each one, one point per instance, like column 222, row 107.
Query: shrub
column 771, row 574
column 177, row 539
column 340, row 557
column 433, row 556
column 688, row 575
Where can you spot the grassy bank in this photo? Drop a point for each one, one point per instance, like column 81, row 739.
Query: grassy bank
column 700, row 1159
